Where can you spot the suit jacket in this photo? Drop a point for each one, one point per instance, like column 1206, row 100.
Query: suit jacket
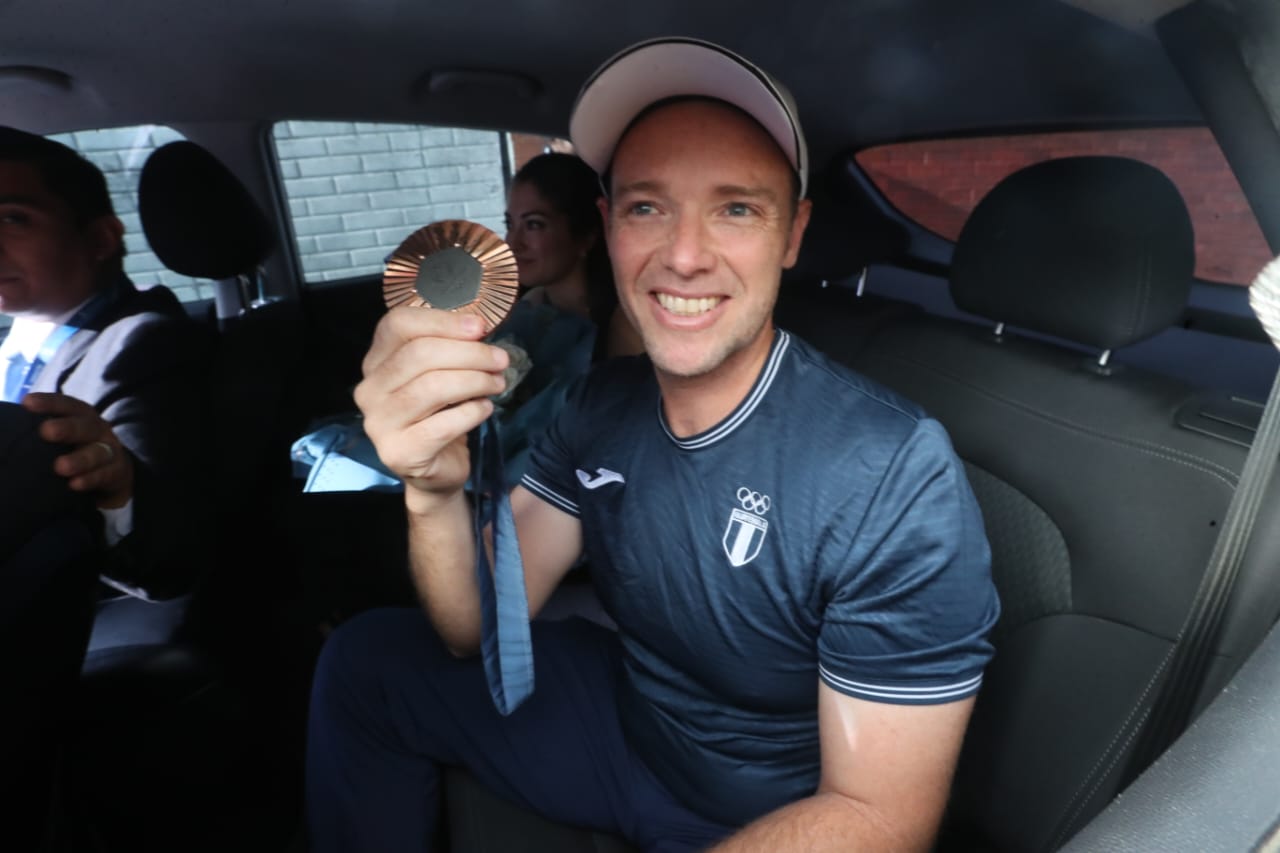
column 144, row 364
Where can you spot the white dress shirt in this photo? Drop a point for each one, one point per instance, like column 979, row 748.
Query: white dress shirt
column 25, row 338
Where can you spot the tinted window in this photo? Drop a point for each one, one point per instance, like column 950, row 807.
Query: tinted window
column 120, row 153
column 938, row 182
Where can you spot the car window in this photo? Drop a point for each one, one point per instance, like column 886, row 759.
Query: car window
column 938, row 182
column 357, row 190
column 120, row 153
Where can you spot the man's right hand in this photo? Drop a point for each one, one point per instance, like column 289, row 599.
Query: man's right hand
column 427, row 382
column 96, row 461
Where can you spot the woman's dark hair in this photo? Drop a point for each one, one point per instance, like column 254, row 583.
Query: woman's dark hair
column 571, row 187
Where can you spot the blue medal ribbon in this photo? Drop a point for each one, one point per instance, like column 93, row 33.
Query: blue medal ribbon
column 504, row 606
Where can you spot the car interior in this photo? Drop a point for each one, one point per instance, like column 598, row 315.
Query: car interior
column 1073, row 308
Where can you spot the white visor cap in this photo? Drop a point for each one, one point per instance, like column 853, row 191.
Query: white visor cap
column 654, row 70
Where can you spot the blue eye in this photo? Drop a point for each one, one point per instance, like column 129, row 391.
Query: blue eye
column 738, row 209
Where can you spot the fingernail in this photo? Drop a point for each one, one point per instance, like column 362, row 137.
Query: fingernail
column 472, row 324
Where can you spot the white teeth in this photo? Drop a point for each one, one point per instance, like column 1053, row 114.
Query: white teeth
column 687, row 307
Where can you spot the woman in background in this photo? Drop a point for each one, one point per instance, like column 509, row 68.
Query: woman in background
column 568, row 317
column 556, row 233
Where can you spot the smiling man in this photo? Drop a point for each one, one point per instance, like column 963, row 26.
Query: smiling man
column 701, row 220
column 793, row 558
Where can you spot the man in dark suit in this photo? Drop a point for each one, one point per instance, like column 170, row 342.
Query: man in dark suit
column 117, row 373
column 100, row 429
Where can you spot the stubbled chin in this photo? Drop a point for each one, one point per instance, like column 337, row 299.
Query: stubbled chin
column 682, row 358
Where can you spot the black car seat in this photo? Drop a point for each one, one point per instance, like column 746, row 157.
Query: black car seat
column 201, row 221
column 824, row 296
column 1102, row 486
column 181, row 724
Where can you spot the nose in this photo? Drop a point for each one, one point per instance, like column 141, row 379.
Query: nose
column 688, row 251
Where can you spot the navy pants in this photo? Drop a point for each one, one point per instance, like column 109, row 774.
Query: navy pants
column 390, row 705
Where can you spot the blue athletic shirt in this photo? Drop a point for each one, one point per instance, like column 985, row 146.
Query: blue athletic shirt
column 824, row 529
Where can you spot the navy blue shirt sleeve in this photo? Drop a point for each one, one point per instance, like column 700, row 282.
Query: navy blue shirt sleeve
column 550, row 474
column 907, row 623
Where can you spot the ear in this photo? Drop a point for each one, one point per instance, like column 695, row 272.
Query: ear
column 798, row 223
column 603, row 203
column 105, row 236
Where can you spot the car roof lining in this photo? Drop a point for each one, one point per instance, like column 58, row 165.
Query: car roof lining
column 878, row 70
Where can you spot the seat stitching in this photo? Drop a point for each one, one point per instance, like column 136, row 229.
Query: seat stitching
column 1190, row 460
column 1129, row 729
column 1071, row 811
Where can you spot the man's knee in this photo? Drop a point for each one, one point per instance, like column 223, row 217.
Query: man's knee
column 369, row 648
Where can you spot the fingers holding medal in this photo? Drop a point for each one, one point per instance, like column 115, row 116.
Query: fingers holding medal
column 428, row 377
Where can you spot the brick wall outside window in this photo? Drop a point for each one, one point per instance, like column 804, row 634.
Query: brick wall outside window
column 355, row 191
column 938, row 182
column 120, row 153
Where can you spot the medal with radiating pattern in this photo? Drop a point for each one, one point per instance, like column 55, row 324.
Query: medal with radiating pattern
column 453, row 265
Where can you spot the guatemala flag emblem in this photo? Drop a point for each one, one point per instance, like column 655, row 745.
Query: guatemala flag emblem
column 746, row 529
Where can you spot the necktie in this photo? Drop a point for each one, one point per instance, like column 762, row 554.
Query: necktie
column 504, row 605
column 13, row 377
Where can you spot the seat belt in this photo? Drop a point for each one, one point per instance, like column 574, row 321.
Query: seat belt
column 1193, row 648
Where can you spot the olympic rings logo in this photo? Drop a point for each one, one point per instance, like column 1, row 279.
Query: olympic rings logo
column 754, row 501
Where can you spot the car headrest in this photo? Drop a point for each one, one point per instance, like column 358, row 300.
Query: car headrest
column 846, row 231
column 198, row 217
column 1096, row 250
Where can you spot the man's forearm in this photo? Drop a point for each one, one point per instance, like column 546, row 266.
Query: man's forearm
column 826, row 822
column 442, row 560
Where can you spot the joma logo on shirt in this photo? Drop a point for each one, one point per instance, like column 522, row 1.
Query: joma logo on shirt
column 747, row 527
column 603, row 476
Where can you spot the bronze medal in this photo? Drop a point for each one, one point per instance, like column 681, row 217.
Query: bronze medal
column 453, row 265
